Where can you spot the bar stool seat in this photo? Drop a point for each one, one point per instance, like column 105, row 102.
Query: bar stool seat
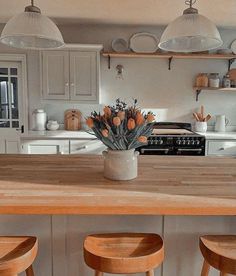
column 17, row 255
column 123, row 253
column 219, row 252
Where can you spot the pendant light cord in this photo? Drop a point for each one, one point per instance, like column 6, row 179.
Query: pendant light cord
column 190, row 3
column 32, row 2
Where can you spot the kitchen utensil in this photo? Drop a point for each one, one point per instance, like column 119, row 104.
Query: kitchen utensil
column 221, row 123
column 39, row 119
column 196, row 117
column 119, row 45
column 233, row 46
column 144, row 43
column 208, row 117
column 72, row 120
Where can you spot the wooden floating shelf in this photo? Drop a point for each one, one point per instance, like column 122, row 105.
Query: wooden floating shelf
column 199, row 89
column 229, row 57
column 169, row 55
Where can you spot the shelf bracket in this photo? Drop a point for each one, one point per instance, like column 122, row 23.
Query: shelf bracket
column 170, row 61
column 231, row 61
column 198, row 92
column 109, row 61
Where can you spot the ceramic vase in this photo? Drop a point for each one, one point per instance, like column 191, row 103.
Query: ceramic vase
column 120, row 164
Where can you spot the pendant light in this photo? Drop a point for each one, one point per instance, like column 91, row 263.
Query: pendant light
column 190, row 32
column 31, row 30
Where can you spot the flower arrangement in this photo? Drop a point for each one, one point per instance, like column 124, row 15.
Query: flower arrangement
column 122, row 127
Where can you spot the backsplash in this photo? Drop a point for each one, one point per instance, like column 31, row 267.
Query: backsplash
column 168, row 93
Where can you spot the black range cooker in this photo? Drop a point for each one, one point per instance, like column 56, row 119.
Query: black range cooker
column 174, row 139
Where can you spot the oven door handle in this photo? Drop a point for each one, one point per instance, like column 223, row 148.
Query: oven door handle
column 165, row 150
column 189, row 150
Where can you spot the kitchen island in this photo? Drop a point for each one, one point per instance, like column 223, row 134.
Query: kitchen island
column 61, row 199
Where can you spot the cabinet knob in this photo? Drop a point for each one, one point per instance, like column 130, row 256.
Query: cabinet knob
column 67, row 84
column 83, row 147
column 72, row 84
column 221, row 149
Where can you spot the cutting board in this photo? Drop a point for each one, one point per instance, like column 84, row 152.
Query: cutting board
column 72, row 119
column 232, row 74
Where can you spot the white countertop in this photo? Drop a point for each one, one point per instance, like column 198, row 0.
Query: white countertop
column 58, row 134
column 219, row 135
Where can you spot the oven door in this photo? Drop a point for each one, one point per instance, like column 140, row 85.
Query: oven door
column 190, row 151
column 156, row 151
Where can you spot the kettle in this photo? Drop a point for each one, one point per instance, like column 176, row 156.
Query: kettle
column 221, row 123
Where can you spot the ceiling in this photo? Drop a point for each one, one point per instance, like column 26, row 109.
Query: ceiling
column 135, row 12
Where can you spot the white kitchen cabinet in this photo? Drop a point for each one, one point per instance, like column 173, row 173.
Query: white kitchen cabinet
column 94, row 146
column 9, row 146
column 55, row 75
column 45, row 147
column 221, row 147
column 71, row 74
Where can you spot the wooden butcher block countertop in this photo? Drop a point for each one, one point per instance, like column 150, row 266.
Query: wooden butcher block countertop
column 46, row 184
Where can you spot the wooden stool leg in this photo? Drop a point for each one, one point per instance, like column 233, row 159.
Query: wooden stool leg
column 205, row 269
column 29, row 271
column 98, row 273
column 150, row 273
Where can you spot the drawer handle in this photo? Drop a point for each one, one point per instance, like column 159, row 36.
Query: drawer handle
column 81, row 148
column 221, row 149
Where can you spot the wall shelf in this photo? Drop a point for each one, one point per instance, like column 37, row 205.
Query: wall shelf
column 200, row 89
column 170, row 56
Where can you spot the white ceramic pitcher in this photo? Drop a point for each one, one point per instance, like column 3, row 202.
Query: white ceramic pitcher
column 221, row 123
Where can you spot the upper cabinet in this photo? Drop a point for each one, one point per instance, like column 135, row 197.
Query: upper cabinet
column 71, row 74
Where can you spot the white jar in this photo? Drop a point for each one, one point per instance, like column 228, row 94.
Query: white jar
column 201, row 127
column 52, row 125
column 214, row 80
column 40, row 119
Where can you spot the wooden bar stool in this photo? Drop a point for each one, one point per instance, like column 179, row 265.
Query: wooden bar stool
column 17, row 255
column 124, row 253
column 220, row 253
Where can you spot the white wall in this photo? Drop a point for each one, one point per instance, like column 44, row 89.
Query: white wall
column 148, row 80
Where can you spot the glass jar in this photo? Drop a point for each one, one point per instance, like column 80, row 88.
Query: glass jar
column 214, row 80
column 226, row 81
column 202, row 80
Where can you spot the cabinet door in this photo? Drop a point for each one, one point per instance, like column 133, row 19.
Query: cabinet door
column 86, row 147
column 55, row 75
column 84, row 76
column 45, row 147
column 221, row 148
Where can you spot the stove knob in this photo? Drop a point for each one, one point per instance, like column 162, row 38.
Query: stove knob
column 188, row 142
column 161, row 142
column 183, row 142
column 156, row 142
column 178, row 142
column 192, row 142
column 197, row 142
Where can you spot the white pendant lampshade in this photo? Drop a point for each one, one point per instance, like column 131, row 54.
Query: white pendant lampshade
column 31, row 30
column 190, row 32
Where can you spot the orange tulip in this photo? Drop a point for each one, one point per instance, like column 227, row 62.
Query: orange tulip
column 131, row 124
column 89, row 122
column 116, row 121
column 139, row 119
column 142, row 139
column 150, row 118
column 121, row 115
column 105, row 133
column 107, row 111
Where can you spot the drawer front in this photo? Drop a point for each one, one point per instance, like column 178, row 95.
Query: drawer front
column 222, row 148
column 86, row 147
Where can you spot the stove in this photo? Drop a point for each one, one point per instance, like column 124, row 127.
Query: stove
column 174, row 139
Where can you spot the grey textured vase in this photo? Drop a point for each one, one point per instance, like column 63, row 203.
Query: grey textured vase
column 120, row 164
